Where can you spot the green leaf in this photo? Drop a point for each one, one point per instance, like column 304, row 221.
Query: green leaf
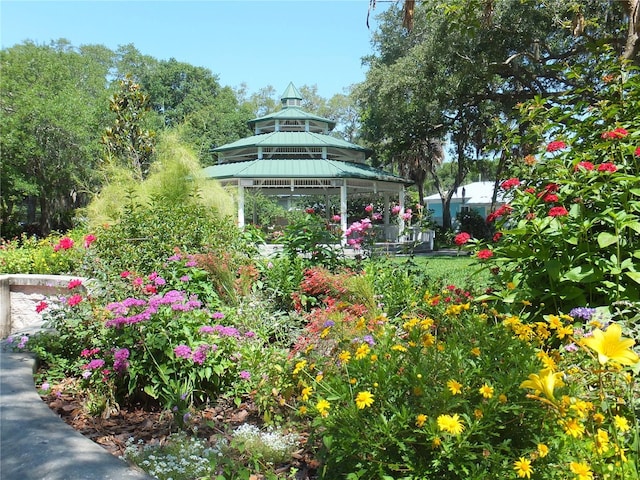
column 581, row 274
column 635, row 226
column 605, row 239
column 635, row 276
column 151, row 391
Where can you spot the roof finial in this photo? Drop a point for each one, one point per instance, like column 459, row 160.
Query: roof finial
column 291, row 97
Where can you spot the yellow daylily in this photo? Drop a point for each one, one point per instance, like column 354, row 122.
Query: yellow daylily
column 545, row 382
column 611, row 345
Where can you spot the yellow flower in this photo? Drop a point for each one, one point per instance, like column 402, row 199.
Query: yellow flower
column 299, row 366
column 344, row 356
column 522, row 466
column 545, row 382
column 323, row 407
column 598, row 418
column 502, row 398
column 364, row 399
column 353, row 381
column 399, row 348
column 451, row 424
column 420, row 420
column 554, row 321
column 611, row 345
column 601, row 441
column 427, row 340
column 582, row 408
column 306, row 392
column 373, row 358
column 302, row 410
column 582, row 470
column 319, row 377
column 362, row 351
column 436, row 442
column 573, row 427
column 455, row 387
column 475, row 351
column 564, row 331
column 543, row 450
column 478, row 413
column 486, row 391
column 622, row 423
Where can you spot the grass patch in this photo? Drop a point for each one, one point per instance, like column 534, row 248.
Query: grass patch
column 461, row 271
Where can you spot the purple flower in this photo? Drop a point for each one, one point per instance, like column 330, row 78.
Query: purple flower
column 159, row 281
column 206, row 329
column 94, row 364
column 571, row 347
column 582, row 312
column 86, row 374
column 23, row 342
column 250, row 334
column 185, row 278
column 191, row 263
column 369, row 339
column 200, row 355
column 217, row 315
column 244, row 375
column 182, row 351
column 120, row 364
column 329, row 323
column 174, row 258
column 45, row 386
column 10, row 339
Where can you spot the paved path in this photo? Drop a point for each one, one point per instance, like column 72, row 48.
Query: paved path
column 36, row 444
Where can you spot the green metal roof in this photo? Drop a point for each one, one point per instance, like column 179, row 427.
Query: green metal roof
column 304, row 168
column 291, row 92
column 292, row 113
column 291, row 139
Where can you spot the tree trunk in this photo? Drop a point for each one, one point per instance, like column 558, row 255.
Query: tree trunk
column 632, row 46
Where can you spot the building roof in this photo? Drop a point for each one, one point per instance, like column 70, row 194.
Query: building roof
column 290, row 139
column 476, row 193
column 292, row 113
column 305, row 168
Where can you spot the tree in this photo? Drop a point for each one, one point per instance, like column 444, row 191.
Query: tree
column 50, row 99
column 127, row 140
column 465, row 64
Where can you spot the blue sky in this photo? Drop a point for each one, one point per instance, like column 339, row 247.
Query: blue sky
column 260, row 43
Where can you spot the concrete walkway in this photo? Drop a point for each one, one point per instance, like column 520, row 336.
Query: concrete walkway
column 36, row 444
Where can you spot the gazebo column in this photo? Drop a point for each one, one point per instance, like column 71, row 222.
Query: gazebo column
column 343, row 211
column 240, row 205
column 401, row 223
column 385, row 215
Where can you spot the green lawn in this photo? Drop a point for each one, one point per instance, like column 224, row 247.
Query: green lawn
column 460, row 271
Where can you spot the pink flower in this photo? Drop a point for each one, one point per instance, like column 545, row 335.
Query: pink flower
column 88, row 240
column 245, row 375
column 74, row 283
column 336, row 218
column 377, row 216
column 607, row 167
column 41, row 306
column 74, row 300
column 584, row 166
column 462, row 238
column 182, row 351
column 368, row 208
column 558, row 212
column 614, row 134
column 510, row 183
column 485, row 254
column 125, row 274
column 65, row 243
column 396, row 208
column 556, row 145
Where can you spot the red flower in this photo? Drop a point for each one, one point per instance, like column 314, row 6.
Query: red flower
column 150, row 289
column 556, row 145
column 584, row 166
column 462, row 238
column 485, row 254
column 511, row 183
column 74, row 300
column 530, row 190
column 310, row 210
column 637, row 152
column 558, row 212
column 497, row 236
column 552, row 187
column 74, row 283
column 614, row 134
column 550, row 197
column 607, row 167
column 41, row 306
column 88, row 240
column 530, row 216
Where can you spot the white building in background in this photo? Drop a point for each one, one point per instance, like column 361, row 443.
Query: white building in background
column 473, row 196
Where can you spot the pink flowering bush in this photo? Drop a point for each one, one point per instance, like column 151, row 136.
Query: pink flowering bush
column 570, row 232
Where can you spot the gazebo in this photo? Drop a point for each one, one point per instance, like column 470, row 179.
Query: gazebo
column 292, row 153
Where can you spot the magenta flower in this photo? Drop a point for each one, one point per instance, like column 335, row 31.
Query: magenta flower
column 88, row 240
column 462, row 238
column 182, row 351
column 368, row 208
column 485, row 254
column 510, row 183
column 637, row 152
column 584, row 165
column 200, row 355
column 336, row 218
column 74, row 283
column 65, row 243
column 74, row 300
column 244, row 375
column 40, row 307
column 607, row 167
column 94, row 364
column 615, row 134
column 396, row 209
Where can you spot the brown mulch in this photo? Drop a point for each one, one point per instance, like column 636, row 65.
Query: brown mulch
column 154, row 427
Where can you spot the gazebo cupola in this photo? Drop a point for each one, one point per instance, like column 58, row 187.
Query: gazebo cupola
column 292, row 153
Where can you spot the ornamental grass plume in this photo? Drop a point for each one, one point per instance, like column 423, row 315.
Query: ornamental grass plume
column 611, row 345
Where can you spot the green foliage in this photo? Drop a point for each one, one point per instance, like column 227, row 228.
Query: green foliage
column 311, row 237
column 474, row 224
column 571, row 231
